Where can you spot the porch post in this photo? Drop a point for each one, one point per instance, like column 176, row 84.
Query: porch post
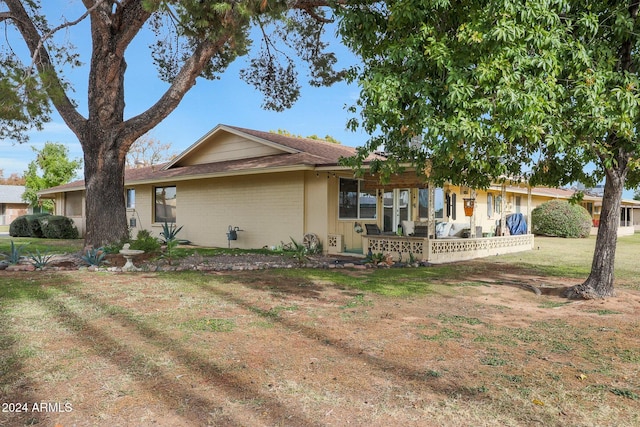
column 503, row 208
column 431, row 210
column 529, row 231
column 472, row 232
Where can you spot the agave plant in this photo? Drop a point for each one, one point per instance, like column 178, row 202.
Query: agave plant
column 169, row 232
column 40, row 260
column 94, row 257
column 15, row 253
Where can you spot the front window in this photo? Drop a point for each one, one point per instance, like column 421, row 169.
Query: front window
column 354, row 203
column 131, row 198
column 165, row 204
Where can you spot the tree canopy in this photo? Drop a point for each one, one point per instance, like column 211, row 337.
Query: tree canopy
column 51, row 167
column 547, row 90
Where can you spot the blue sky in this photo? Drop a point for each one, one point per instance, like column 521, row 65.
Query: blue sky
column 229, row 100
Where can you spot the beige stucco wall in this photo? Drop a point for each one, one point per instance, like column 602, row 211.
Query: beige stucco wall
column 78, row 218
column 268, row 208
column 316, row 205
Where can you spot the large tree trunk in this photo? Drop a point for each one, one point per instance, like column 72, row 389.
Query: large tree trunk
column 599, row 284
column 105, row 203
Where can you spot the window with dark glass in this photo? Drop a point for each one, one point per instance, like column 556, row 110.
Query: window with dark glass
column 165, row 204
column 354, row 203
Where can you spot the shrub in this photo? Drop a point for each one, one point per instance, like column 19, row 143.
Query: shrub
column 94, row 257
column 58, row 227
column 145, row 242
column 27, row 225
column 558, row 218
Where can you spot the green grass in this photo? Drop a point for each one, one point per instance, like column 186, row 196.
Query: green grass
column 210, row 325
column 32, row 245
column 575, row 260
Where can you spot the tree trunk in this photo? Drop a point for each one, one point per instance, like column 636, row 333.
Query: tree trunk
column 105, row 203
column 599, row 284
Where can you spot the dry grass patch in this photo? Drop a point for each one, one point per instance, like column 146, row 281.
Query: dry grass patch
column 446, row 346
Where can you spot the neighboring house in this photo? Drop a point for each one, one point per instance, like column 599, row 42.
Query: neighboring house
column 274, row 187
column 11, row 203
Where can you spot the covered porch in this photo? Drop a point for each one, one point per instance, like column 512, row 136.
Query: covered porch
column 418, row 220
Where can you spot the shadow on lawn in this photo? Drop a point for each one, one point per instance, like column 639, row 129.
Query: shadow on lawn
column 133, row 363
column 400, row 372
column 155, row 380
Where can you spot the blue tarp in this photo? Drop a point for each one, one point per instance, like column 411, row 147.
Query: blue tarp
column 516, row 224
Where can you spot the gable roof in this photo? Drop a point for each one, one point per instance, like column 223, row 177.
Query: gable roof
column 11, row 194
column 320, row 152
column 290, row 153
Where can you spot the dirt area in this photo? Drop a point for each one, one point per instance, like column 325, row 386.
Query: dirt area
column 269, row 348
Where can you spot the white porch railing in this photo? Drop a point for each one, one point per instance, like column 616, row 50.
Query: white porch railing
column 446, row 250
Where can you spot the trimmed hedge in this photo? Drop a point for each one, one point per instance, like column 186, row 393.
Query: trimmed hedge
column 27, row 225
column 58, row 227
column 558, row 218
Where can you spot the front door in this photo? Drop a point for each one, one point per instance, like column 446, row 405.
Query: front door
column 397, row 208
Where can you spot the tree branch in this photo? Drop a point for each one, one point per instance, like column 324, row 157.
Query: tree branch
column 53, row 86
column 49, row 34
column 4, row 16
column 184, row 80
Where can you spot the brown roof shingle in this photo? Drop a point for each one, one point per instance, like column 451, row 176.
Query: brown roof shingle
column 309, row 153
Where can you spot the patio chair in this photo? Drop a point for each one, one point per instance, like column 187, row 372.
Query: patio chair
column 372, row 229
column 421, row 231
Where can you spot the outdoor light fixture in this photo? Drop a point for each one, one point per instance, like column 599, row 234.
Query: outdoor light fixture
column 469, row 204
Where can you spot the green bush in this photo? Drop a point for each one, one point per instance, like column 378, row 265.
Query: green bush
column 58, row 227
column 559, row 218
column 145, row 242
column 27, row 225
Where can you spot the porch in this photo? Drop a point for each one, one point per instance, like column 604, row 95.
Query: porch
column 437, row 251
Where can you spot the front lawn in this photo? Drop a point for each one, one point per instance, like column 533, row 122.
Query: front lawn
column 459, row 344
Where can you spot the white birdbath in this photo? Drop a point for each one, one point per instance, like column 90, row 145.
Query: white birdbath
column 128, row 254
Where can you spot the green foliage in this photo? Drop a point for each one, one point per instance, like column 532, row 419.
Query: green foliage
column 146, row 242
column 58, row 227
column 52, row 167
column 561, row 219
column 94, row 256
column 375, row 258
column 25, row 104
column 299, row 251
column 27, row 225
column 495, row 88
column 40, row 259
column 169, row 232
column 15, row 253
